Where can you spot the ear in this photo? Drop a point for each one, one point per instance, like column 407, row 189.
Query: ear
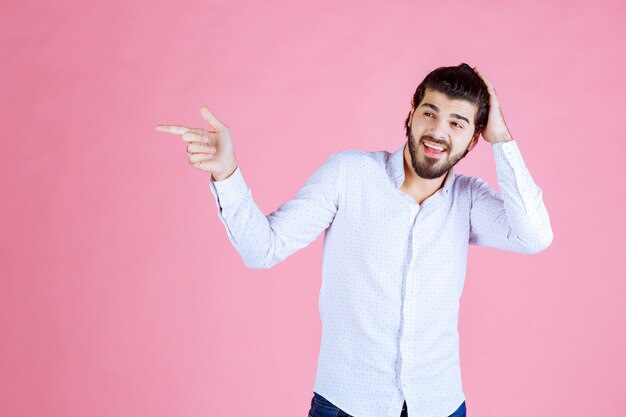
column 411, row 115
column 473, row 141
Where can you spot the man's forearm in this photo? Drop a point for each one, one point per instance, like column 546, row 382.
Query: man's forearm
column 263, row 241
column 523, row 200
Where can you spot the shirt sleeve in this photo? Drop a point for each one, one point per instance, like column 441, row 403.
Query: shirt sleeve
column 515, row 218
column 263, row 241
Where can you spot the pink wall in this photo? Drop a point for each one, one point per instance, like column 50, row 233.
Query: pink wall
column 120, row 294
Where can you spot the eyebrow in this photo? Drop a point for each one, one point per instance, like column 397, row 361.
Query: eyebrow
column 432, row 106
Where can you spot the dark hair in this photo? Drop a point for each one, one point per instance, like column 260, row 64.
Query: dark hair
column 460, row 82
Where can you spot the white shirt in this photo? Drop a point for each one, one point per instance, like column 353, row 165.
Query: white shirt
column 392, row 270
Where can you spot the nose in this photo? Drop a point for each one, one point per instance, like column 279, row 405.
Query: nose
column 439, row 130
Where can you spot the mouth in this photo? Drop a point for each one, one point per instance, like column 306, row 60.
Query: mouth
column 434, row 149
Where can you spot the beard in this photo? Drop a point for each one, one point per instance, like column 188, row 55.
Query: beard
column 432, row 168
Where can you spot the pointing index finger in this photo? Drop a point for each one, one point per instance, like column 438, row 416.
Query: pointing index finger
column 174, row 129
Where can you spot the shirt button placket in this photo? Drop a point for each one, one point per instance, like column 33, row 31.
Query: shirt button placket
column 408, row 307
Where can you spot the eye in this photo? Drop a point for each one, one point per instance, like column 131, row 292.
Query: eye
column 428, row 113
column 457, row 125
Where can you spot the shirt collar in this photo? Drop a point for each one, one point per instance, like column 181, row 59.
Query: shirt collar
column 395, row 170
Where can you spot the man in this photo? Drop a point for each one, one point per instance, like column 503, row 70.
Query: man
column 397, row 228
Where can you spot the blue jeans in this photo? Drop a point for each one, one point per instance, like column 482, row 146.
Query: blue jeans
column 321, row 407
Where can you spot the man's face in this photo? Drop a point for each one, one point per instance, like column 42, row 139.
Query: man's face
column 438, row 122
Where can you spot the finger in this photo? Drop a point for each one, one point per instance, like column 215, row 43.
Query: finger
column 208, row 166
column 198, row 157
column 196, row 147
column 210, row 117
column 175, row 129
column 204, row 136
column 485, row 79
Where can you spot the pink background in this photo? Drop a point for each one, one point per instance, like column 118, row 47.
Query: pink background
column 120, row 294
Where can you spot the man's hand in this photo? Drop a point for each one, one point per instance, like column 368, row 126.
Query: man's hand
column 209, row 150
column 496, row 130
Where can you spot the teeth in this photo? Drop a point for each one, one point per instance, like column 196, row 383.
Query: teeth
column 437, row 148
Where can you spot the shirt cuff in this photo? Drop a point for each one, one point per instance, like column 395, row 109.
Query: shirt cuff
column 513, row 175
column 230, row 190
column 508, row 151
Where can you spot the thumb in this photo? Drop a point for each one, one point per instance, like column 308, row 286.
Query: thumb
column 210, row 117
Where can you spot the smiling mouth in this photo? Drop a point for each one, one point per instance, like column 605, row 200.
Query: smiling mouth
column 434, row 150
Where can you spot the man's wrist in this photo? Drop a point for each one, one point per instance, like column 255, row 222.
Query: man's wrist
column 227, row 174
column 504, row 138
